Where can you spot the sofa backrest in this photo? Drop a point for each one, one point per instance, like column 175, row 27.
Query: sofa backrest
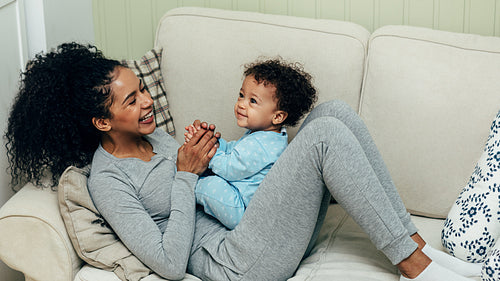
column 429, row 98
column 205, row 50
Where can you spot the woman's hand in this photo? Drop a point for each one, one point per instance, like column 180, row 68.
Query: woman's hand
column 193, row 156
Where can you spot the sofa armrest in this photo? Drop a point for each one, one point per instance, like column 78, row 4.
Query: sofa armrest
column 34, row 238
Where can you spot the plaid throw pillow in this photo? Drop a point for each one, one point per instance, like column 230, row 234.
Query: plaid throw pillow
column 148, row 69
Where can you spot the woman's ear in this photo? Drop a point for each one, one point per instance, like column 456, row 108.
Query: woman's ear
column 279, row 117
column 102, row 124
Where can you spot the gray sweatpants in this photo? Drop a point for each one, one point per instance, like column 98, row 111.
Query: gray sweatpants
column 333, row 153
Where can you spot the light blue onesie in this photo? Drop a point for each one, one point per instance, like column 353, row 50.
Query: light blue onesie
column 239, row 168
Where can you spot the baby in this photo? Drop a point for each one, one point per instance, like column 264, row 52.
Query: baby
column 274, row 95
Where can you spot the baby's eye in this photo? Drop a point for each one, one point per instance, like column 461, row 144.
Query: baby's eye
column 240, row 95
column 253, row 101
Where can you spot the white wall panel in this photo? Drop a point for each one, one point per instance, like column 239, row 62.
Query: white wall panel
column 122, row 31
column 12, row 55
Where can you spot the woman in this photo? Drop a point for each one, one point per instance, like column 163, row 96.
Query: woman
column 75, row 105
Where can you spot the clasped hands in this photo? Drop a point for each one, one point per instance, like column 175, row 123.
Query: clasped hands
column 201, row 143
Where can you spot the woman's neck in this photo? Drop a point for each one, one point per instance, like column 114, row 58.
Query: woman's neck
column 127, row 147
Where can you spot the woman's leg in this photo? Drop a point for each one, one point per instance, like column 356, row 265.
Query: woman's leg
column 280, row 220
column 343, row 112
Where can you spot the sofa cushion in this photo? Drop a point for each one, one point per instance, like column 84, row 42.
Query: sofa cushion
column 33, row 239
column 204, row 51
column 94, row 241
column 428, row 99
column 343, row 251
column 89, row 273
column 148, row 69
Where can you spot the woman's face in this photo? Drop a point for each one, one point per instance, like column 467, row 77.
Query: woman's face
column 132, row 107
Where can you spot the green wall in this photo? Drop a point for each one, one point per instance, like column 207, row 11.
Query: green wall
column 126, row 28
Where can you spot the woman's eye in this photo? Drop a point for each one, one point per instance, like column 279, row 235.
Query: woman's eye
column 142, row 87
column 132, row 102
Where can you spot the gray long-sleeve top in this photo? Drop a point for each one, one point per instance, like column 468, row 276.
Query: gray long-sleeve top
column 149, row 205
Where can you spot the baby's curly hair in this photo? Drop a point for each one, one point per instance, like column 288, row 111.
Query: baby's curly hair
column 50, row 123
column 295, row 92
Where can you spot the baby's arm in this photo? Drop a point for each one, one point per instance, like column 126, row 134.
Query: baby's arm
column 238, row 160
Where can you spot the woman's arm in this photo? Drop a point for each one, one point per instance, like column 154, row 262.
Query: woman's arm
column 165, row 253
column 128, row 197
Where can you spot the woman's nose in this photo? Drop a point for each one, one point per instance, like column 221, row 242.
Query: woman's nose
column 147, row 100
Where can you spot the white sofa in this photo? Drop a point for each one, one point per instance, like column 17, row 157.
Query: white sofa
column 428, row 98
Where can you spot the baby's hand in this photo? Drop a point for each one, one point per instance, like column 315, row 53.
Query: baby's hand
column 190, row 131
column 195, row 127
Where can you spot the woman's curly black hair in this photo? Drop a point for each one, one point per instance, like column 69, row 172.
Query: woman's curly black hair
column 295, row 92
column 50, row 123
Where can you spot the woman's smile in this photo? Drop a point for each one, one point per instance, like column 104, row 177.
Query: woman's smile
column 148, row 118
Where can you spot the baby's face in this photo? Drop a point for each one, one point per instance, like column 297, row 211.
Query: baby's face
column 256, row 105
